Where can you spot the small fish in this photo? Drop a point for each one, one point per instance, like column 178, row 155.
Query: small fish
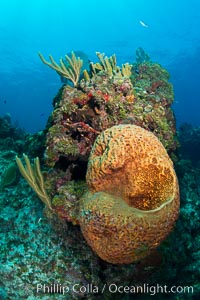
column 42, row 115
column 143, row 24
column 4, row 101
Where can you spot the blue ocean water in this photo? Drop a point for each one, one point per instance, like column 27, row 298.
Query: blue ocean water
column 169, row 31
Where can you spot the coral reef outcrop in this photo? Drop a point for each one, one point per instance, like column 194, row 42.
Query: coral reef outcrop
column 136, row 183
column 105, row 96
column 108, row 95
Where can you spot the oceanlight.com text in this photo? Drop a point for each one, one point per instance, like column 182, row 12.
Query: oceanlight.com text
column 113, row 288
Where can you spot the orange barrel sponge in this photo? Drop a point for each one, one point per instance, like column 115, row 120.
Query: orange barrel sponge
column 133, row 198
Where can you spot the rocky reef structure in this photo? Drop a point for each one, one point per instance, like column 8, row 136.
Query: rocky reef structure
column 10, row 134
column 189, row 137
column 138, row 168
column 108, row 95
column 15, row 138
column 138, row 94
column 42, row 248
column 13, row 141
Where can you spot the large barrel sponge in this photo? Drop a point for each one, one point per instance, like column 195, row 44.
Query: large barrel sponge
column 133, row 198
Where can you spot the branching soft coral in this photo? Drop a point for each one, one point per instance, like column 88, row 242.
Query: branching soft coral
column 71, row 71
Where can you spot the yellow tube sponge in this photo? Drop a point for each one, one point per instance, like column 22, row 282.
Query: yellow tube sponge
column 133, row 198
